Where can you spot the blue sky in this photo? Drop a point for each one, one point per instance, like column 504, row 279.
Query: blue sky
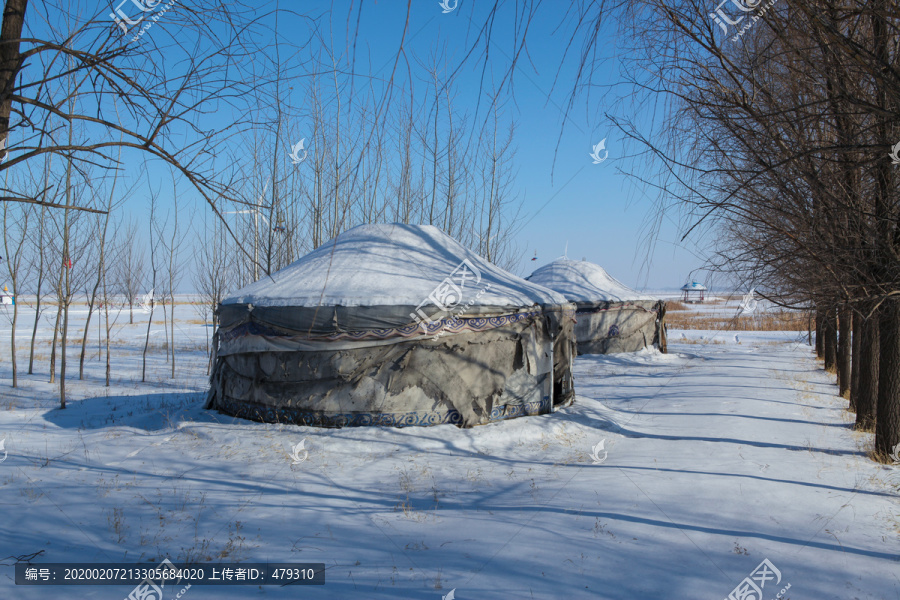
column 595, row 209
column 599, row 212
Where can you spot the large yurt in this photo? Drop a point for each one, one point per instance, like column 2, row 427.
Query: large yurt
column 610, row 317
column 392, row 325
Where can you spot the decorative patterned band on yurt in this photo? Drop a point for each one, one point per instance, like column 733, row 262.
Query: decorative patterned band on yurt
column 607, row 306
column 300, row 416
column 258, row 337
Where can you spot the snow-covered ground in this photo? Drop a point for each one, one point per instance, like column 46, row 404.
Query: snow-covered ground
column 721, row 454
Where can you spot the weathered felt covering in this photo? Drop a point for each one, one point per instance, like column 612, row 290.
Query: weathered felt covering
column 610, row 327
column 467, row 378
column 392, row 325
column 611, row 316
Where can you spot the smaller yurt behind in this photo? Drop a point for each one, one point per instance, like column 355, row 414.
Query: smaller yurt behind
column 392, row 325
column 610, row 317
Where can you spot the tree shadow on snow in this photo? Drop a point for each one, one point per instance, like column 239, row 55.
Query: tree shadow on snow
column 149, row 412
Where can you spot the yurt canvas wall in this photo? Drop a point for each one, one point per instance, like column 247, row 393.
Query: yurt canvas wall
column 610, row 316
column 392, row 325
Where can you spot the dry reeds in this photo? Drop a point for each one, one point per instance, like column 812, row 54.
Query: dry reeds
column 782, row 320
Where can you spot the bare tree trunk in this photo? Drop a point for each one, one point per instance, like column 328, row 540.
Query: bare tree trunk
column 854, row 363
column 84, row 339
column 59, row 307
column 173, row 250
column 809, row 329
column 209, row 363
column 62, row 352
column 10, row 58
column 14, row 254
column 165, row 325
column 829, row 325
column 887, row 418
column 66, row 277
column 820, row 334
column 66, row 292
column 37, row 310
column 101, row 274
column 146, row 343
column 40, row 281
column 12, row 339
column 206, row 331
column 152, row 288
column 172, row 336
column 867, row 394
column 106, row 310
column 55, row 338
column 887, row 421
column 845, row 324
column 104, row 271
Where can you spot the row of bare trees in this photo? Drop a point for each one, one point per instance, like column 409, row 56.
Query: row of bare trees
column 92, row 108
column 423, row 162
column 431, row 165
column 53, row 258
column 86, row 99
column 783, row 117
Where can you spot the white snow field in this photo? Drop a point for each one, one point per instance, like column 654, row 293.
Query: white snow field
column 715, row 457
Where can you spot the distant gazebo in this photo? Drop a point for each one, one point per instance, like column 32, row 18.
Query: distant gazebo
column 692, row 292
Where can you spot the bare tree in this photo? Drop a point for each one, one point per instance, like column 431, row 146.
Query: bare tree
column 100, row 54
column 40, row 271
column 172, row 272
column 101, row 237
column 151, row 300
column 212, row 276
column 14, row 234
column 776, row 145
column 115, row 248
column 129, row 271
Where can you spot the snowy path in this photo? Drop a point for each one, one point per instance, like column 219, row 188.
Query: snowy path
column 718, row 456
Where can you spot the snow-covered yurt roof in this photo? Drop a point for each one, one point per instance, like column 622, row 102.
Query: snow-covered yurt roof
column 390, row 265
column 582, row 281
